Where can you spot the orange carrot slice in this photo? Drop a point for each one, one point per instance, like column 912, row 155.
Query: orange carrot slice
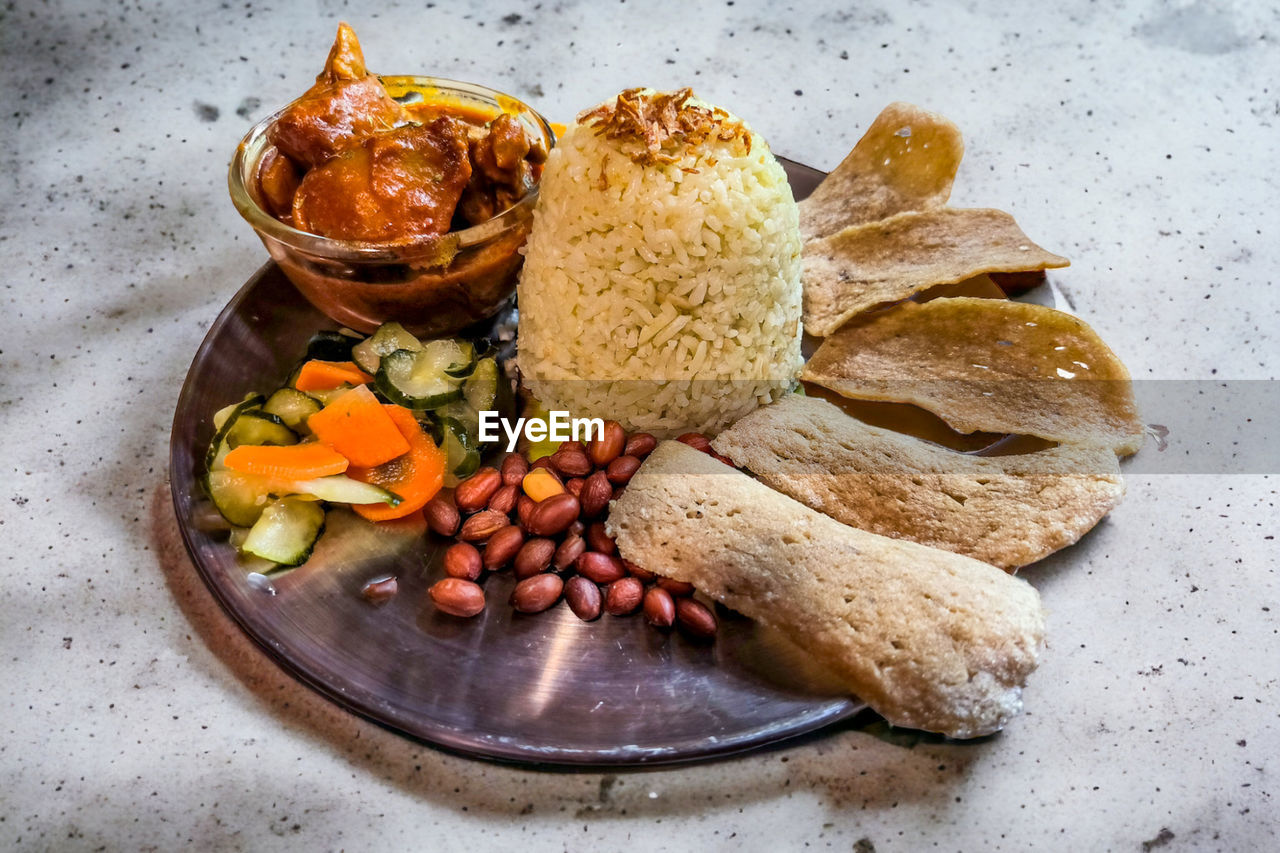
column 295, row 462
column 316, row 375
column 356, row 425
column 415, row 477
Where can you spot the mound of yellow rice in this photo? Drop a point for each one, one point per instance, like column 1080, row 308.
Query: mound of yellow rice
column 661, row 283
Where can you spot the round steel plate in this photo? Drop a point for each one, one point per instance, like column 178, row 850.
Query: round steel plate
column 548, row 689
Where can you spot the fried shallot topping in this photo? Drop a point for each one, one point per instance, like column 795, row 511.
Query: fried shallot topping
column 666, row 123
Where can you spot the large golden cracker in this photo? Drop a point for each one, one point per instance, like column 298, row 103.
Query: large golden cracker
column 864, row 266
column 906, row 160
column 1004, row 510
column 987, row 365
column 930, row 639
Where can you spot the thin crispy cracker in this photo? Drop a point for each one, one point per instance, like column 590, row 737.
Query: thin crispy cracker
column 864, row 266
column 987, row 365
column 1004, row 510
column 930, row 639
column 906, row 160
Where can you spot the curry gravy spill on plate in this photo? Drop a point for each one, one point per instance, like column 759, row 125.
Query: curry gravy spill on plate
column 863, row 266
column 1004, row 510
column 930, row 639
column 987, row 365
column 906, row 160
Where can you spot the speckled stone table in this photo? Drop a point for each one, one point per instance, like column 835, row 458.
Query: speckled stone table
column 1142, row 141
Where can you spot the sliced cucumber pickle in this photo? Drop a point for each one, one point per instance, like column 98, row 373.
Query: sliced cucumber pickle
column 417, row 380
column 293, row 407
column 330, row 346
column 481, row 388
column 286, row 532
column 462, row 457
column 388, row 338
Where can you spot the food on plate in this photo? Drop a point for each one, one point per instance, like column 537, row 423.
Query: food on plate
column 328, row 436
column 661, row 284
column 930, row 639
column 906, row 160
column 876, row 229
column 545, row 520
column 987, row 365
column 351, row 162
column 1004, row 510
column 865, row 266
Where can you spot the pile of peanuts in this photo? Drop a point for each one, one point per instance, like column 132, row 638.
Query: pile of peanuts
column 556, row 544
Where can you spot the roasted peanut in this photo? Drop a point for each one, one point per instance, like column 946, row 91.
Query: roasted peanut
column 640, row 445
column 524, row 508
column 442, row 516
column 583, row 597
column 553, row 515
column 576, row 529
column 601, row 568
column 695, row 618
column 482, row 525
column 598, row 540
column 462, row 560
column 568, row 552
column 675, row 587
column 659, row 607
column 575, row 446
column 536, row 594
column 534, row 557
column 571, row 463
column 596, row 493
column 540, row 463
column 380, row 590
column 721, row 458
column 696, row 440
column 603, row 450
column 514, row 467
column 638, row 572
column 574, row 487
column 474, row 492
column 502, row 547
column 541, row 483
column 457, row 597
column 504, row 500
column 621, row 470
column 623, row 596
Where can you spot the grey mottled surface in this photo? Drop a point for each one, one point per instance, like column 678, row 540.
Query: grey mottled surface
column 1141, row 141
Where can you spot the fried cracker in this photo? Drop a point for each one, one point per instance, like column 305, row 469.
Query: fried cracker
column 1004, row 510
column 865, row 266
column 987, row 365
column 906, row 160
column 930, row 639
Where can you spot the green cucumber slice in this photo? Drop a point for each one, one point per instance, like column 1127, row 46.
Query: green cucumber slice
column 330, row 346
column 293, row 407
column 239, row 497
column 388, row 338
column 217, row 448
column 481, row 389
column 463, row 368
column 254, row 427
column 462, row 457
column 418, row 380
column 286, row 531
column 342, row 489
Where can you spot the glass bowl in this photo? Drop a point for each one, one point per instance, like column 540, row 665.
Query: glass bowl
column 433, row 287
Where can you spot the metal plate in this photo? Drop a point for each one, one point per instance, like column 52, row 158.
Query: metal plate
column 549, row 689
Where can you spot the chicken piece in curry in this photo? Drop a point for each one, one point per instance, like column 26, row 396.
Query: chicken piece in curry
column 351, row 163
